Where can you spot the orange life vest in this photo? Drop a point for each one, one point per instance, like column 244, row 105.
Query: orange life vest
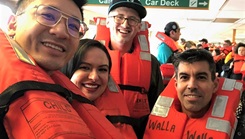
column 167, row 40
column 167, row 71
column 111, row 104
column 243, row 69
column 132, row 71
column 226, row 50
column 45, row 114
column 205, row 46
column 218, row 58
column 238, row 63
column 219, row 122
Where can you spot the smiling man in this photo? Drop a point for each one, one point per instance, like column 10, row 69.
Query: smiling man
column 195, row 84
column 196, row 104
column 133, row 67
column 36, row 99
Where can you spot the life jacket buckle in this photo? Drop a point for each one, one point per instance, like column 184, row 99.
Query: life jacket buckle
column 69, row 97
column 143, row 90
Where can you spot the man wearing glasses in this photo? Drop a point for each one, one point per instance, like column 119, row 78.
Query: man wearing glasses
column 227, row 47
column 133, row 67
column 35, row 100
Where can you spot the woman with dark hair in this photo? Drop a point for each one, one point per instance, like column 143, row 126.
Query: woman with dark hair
column 231, row 71
column 240, row 131
column 89, row 70
column 84, row 46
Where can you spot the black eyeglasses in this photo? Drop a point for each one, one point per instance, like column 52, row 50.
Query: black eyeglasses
column 50, row 16
column 119, row 19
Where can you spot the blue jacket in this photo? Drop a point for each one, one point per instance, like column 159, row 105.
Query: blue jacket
column 164, row 52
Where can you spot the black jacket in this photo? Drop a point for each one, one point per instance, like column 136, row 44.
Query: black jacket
column 228, row 73
column 240, row 130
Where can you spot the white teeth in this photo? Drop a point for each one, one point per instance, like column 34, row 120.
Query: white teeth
column 91, row 86
column 123, row 31
column 53, row 46
column 192, row 96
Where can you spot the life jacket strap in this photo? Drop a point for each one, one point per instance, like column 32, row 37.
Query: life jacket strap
column 122, row 119
column 133, row 88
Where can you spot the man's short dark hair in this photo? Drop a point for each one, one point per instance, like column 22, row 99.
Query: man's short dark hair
column 228, row 42
column 195, row 55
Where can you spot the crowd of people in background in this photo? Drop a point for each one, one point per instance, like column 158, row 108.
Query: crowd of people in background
column 111, row 86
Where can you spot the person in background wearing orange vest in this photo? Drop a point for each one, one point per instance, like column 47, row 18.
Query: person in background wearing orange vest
column 204, row 43
column 227, row 47
column 218, row 59
column 233, row 68
column 169, row 44
column 134, row 68
column 229, row 56
column 196, row 104
column 228, row 50
column 36, row 99
column 167, row 48
column 89, row 70
column 239, row 62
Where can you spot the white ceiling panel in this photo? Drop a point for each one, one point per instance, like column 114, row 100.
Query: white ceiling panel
column 197, row 23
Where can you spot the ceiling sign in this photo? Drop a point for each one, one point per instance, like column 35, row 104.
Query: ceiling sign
column 175, row 4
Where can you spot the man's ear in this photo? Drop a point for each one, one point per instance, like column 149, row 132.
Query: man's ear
column 11, row 26
column 172, row 32
column 175, row 82
column 139, row 27
column 107, row 22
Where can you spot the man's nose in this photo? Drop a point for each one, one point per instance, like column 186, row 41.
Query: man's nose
column 60, row 29
column 192, row 84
